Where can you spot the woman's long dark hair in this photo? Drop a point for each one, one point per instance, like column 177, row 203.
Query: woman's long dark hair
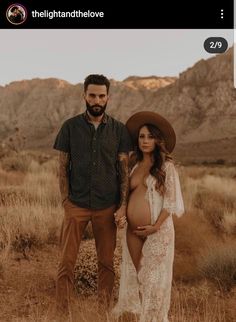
column 160, row 155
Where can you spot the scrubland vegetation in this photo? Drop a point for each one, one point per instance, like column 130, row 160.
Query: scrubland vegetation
column 204, row 283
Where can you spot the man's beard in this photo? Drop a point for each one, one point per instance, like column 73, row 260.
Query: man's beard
column 95, row 110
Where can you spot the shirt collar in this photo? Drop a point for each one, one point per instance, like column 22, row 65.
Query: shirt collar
column 104, row 118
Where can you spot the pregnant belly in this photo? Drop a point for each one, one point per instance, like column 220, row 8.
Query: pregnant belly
column 138, row 212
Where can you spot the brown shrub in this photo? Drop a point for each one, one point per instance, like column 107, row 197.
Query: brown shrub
column 214, row 205
column 196, row 304
column 88, row 234
column 12, row 195
column 229, row 223
column 195, row 172
column 11, row 178
column 16, row 162
column 25, row 226
column 86, row 268
column 198, row 172
column 19, row 195
column 192, row 234
column 218, row 263
column 23, row 243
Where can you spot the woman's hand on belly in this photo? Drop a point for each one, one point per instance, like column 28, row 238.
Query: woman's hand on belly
column 144, row 231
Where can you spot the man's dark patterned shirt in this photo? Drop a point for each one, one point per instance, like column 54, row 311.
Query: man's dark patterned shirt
column 93, row 176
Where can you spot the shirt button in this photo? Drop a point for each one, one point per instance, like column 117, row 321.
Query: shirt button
column 94, row 163
column 94, row 138
column 94, row 150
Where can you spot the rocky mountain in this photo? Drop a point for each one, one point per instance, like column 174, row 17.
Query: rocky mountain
column 151, row 82
column 200, row 103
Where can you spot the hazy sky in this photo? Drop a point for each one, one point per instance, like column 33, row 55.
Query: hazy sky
column 117, row 53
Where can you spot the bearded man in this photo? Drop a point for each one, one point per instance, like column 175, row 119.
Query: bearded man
column 93, row 176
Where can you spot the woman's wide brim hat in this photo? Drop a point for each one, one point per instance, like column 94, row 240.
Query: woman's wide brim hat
column 136, row 121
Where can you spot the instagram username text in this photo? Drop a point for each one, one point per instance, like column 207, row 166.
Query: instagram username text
column 67, row 14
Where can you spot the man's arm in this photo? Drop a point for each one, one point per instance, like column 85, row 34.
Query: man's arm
column 124, row 178
column 63, row 175
column 124, row 188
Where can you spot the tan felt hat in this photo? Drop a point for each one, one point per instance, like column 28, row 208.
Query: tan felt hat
column 138, row 119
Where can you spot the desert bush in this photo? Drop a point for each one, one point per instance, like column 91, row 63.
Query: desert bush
column 51, row 166
column 220, row 161
column 5, row 247
column 221, row 185
column 214, row 205
column 86, row 268
column 198, row 172
column 41, row 188
column 11, row 178
column 28, row 196
column 229, row 222
column 29, row 225
column 11, row 195
column 196, row 304
column 16, row 162
column 189, row 194
column 31, row 214
column 32, row 211
column 88, row 234
column 195, row 172
column 218, row 263
column 1, row 270
column 192, row 234
column 23, row 243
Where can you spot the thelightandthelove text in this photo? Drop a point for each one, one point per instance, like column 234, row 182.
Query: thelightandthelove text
column 67, row 14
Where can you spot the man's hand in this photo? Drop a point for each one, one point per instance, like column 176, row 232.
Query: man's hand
column 120, row 217
column 144, row 231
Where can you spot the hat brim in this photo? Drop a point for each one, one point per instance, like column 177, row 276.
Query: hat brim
column 136, row 121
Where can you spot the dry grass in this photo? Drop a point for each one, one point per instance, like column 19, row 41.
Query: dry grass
column 10, row 178
column 197, row 304
column 31, row 214
column 198, row 172
column 189, row 304
column 218, row 263
column 16, row 162
column 210, row 219
column 193, row 233
column 229, row 222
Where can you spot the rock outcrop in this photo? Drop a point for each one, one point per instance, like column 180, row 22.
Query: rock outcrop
column 200, row 103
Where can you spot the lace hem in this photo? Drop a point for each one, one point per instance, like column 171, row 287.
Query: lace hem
column 153, row 280
column 155, row 274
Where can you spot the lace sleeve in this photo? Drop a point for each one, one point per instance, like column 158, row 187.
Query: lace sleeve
column 173, row 200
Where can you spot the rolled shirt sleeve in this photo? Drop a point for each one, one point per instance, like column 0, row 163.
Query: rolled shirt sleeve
column 62, row 142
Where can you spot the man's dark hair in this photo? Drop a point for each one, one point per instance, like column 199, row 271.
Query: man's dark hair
column 96, row 79
column 14, row 8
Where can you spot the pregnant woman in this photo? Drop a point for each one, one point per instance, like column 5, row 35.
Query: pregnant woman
column 148, row 241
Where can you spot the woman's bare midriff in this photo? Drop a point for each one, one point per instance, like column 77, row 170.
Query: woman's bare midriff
column 138, row 212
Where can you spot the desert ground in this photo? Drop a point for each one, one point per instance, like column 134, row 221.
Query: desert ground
column 204, row 283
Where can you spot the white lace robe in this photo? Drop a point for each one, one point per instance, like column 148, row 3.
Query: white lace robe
column 154, row 278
